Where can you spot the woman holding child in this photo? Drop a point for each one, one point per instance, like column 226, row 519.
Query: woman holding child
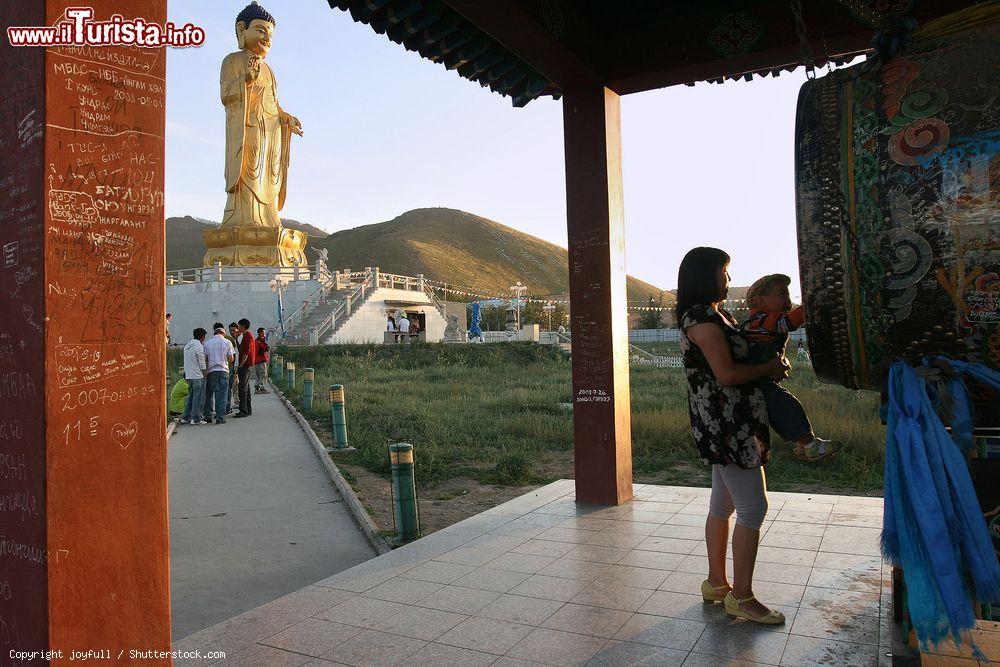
column 729, row 423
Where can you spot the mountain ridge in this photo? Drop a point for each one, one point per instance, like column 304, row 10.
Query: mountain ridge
column 471, row 253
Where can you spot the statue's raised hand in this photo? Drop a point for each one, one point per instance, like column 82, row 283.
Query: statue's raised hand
column 292, row 122
column 253, row 70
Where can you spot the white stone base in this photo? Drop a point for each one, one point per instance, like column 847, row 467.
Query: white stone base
column 201, row 304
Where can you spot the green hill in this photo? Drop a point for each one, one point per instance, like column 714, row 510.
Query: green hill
column 456, row 247
column 463, row 250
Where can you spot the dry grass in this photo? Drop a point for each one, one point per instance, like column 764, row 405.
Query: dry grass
column 497, row 414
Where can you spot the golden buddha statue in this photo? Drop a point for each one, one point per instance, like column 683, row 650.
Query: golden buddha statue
column 258, row 139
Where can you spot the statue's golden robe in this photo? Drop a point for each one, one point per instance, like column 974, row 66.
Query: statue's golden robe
column 258, row 138
column 257, row 144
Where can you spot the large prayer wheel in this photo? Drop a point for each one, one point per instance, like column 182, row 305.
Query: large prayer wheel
column 898, row 204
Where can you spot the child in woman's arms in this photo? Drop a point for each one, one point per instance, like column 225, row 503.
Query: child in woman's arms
column 766, row 330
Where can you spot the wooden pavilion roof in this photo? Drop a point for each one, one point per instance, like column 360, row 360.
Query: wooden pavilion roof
column 526, row 49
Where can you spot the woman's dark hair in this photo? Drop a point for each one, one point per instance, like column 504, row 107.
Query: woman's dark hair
column 697, row 281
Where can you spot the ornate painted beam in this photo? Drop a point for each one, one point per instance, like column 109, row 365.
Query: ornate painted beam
column 507, row 23
column 761, row 62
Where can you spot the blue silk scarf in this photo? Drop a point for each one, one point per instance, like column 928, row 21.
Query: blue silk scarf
column 933, row 526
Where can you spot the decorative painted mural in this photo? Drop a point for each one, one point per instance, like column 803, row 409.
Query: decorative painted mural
column 898, row 189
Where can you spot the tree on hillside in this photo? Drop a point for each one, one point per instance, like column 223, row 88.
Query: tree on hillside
column 491, row 318
column 534, row 313
column 650, row 319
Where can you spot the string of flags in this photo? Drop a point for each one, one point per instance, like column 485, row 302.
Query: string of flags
column 466, row 291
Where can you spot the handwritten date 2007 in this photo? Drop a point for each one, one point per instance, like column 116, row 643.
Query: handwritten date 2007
column 104, row 396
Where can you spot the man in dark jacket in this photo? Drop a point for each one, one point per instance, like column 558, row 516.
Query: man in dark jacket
column 247, row 360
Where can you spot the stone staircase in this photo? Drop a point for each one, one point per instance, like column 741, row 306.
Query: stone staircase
column 316, row 325
column 322, row 308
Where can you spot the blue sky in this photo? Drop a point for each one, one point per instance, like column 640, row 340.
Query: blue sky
column 386, row 131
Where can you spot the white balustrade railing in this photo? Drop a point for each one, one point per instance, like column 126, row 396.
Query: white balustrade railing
column 361, row 283
column 393, row 281
column 222, row 273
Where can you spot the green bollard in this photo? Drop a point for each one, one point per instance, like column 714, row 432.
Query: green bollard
column 279, row 365
column 339, row 416
column 404, row 491
column 290, row 374
column 308, row 375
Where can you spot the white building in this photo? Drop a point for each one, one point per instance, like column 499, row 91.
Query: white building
column 317, row 307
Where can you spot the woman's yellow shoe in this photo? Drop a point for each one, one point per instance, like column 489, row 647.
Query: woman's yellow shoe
column 711, row 593
column 733, row 609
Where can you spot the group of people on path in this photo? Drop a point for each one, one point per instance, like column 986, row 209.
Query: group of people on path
column 218, row 368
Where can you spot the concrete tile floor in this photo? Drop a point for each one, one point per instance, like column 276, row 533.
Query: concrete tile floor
column 540, row 580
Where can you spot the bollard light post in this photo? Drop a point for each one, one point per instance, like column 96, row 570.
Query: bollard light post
column 290, row 375
column 279, row 366
column 308, row 376
column 339, row 416
column 404, row 491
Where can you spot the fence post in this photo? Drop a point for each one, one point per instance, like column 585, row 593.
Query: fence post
column 279, row 368
column 290, row 374
column 338, row 416
column 404, row 491
column 308, row 375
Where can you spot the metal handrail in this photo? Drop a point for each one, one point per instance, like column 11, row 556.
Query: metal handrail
column 441, row 308
column 354, row 299
column 300, row 311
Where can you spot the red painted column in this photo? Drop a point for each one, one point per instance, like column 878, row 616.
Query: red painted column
column 602, row 437
column 23, row 510
column 84, row 563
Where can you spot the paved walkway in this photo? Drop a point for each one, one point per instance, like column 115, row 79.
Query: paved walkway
column 253, row 516
column 541, row 579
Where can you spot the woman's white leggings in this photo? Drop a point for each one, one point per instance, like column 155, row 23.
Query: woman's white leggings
column 742, row 489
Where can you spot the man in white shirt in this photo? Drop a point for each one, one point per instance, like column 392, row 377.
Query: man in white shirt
column 194, row 373
column 219, row 354
column 404, row 328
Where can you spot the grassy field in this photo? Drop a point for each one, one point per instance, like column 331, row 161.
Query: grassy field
column 499, row 414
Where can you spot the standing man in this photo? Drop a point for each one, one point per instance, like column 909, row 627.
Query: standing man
column 169, row 315
column 234, row 380
column 403, row 323
column 247, row 360
column 263, row 356
column 219, row 355
column 194, row 373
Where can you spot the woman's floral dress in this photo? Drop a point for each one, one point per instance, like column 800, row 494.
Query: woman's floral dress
column 729, row 424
